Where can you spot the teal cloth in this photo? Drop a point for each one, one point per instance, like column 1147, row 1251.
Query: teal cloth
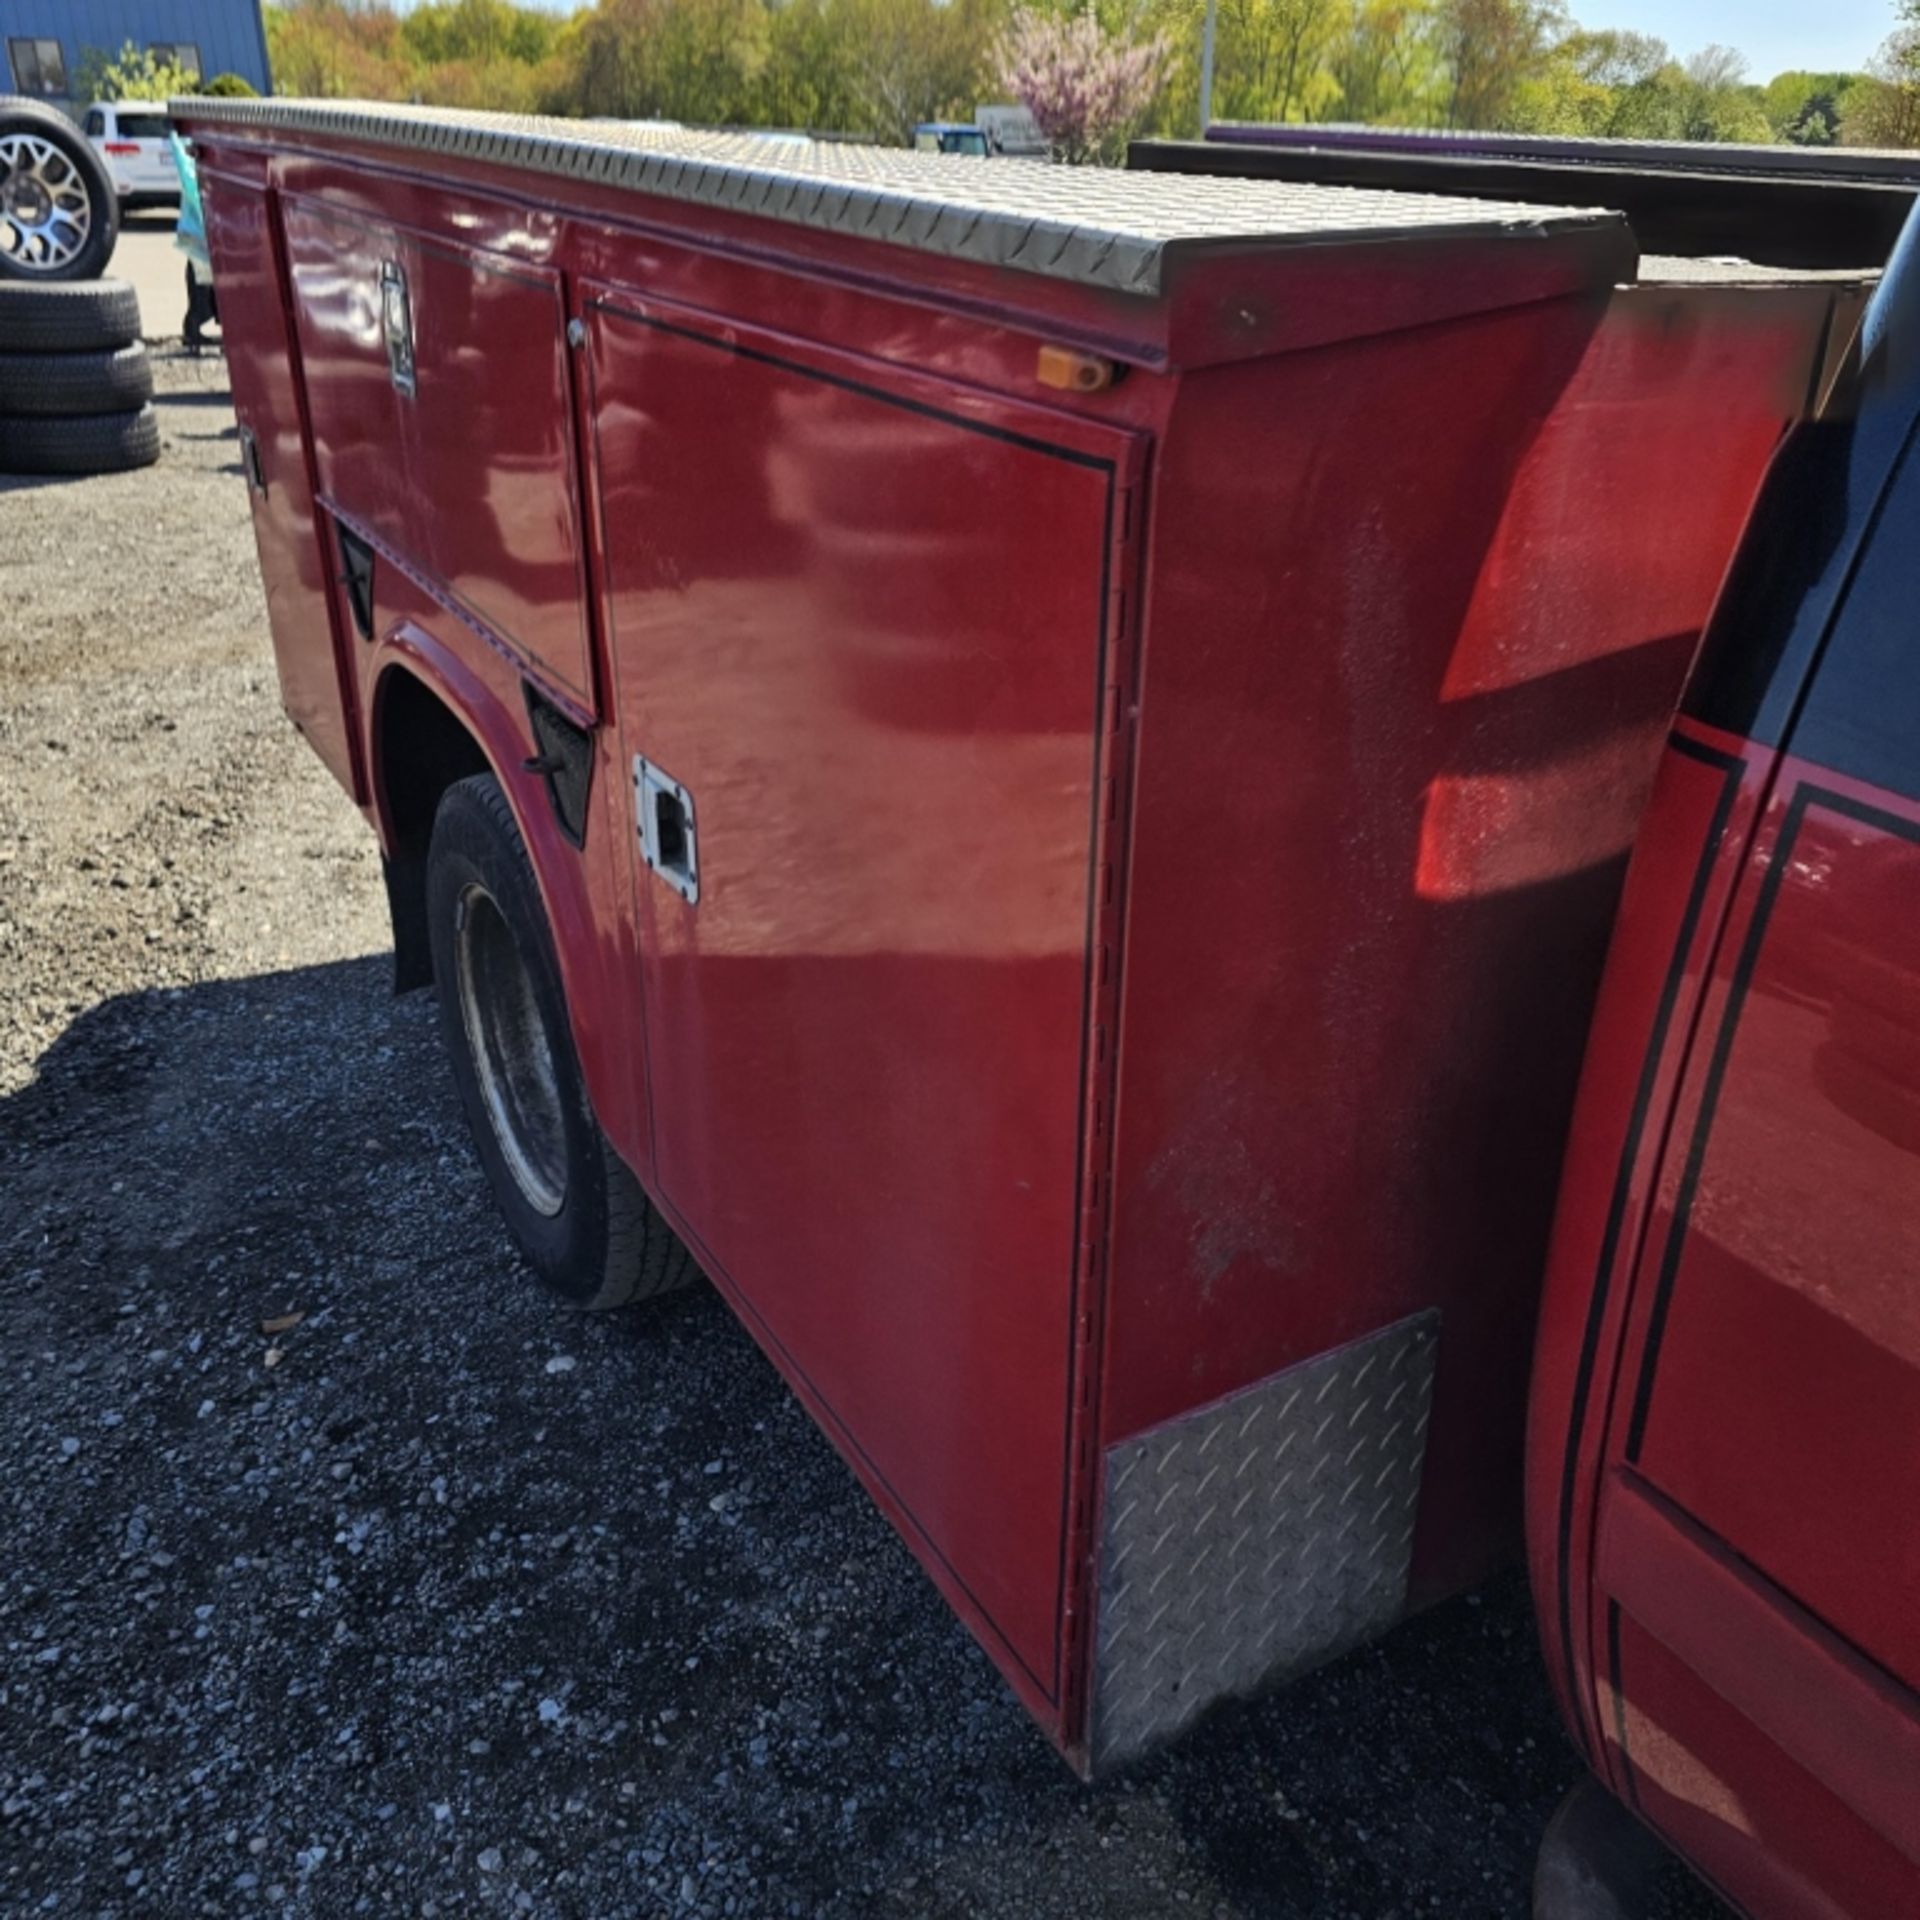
column 191, row 234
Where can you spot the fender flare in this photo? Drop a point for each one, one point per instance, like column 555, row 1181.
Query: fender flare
column 502, row 736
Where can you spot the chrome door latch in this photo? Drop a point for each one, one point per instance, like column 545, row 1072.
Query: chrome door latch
column 251, row 463
column 396, row 325
column 664, row 809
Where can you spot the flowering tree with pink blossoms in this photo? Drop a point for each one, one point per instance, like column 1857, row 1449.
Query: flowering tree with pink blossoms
column 1086, row 88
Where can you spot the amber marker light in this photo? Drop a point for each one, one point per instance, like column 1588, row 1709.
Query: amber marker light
column 1073, row 372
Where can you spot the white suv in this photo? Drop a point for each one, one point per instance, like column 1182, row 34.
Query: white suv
column 131, row 137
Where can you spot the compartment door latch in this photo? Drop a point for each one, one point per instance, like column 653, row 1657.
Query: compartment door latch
column 251, row 462
column 664, row 809
column 396, row 325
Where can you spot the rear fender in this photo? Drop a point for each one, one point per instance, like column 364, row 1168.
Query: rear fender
column 499, row 728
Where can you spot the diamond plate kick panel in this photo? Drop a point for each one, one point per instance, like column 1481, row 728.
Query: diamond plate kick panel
column 1258, row 1536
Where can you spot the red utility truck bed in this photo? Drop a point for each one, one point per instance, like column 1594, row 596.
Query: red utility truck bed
column 1156, row 835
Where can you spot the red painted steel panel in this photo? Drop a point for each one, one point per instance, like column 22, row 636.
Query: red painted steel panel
column 502, row 532
column 1772, row 1836
column 1684, row 867
column 1825, row 1705
column 473, row 475
column 266, row 400
column 863, row 624
column 1795, row 1287
column 333, row 266
column 1722, row 1524
column 1746, row 1633
column 1384, row 814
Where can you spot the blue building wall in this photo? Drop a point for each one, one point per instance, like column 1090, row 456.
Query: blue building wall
column 227, row 32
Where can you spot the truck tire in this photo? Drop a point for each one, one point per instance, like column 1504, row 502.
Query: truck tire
column 91, row 318
column 80, row 443
column 1596, row 1861
column 59, row 214
column 56, row 383
column 587, row 1229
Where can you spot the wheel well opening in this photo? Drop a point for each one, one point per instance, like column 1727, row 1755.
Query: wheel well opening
column 420, row 750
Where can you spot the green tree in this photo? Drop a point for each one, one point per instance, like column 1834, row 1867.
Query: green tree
column 807, row 82
column 1270, row 58
column 914, row 60
column 483, row 32
column 1615, row 59
column 1487, row 51
column 878, row 67
column 1561, row 99
column 1807, row 108
column 1626, row 87
column 328, row 50
column 1883, row 110
column 1594, row 83
column 130, row 74
column 691, row 60
column 1381, row 61
column 1714, row 100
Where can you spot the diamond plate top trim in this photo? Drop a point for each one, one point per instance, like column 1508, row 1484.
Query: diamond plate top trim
column 1094, row 225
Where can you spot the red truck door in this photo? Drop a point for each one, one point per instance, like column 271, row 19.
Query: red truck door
column 315, row 686
column 1757, row 1633
column 860, row 625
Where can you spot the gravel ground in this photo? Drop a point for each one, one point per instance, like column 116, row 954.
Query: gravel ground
column 437, row 1597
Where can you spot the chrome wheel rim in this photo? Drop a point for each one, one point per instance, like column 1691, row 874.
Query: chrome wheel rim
column 46, row 212
column 512, row 1056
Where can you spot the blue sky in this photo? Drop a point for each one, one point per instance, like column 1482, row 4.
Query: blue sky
column 1774, row 34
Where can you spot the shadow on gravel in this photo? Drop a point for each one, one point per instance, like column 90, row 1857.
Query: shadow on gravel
column 26, row 482
column 214, row 391
column 340, row 1572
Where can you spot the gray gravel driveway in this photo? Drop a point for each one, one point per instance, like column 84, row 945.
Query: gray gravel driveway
column 340, row 1573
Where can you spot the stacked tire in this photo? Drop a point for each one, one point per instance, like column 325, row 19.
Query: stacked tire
column 76, row 388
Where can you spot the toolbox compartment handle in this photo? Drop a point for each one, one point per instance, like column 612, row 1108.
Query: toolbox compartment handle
column 664, row 810
column 396, row 325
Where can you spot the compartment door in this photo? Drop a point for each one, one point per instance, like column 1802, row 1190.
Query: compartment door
column 334, row 267
column 1758, row 1555
column 491, row 448
column 859, row 635
column 443, row 423
column 314, row 688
